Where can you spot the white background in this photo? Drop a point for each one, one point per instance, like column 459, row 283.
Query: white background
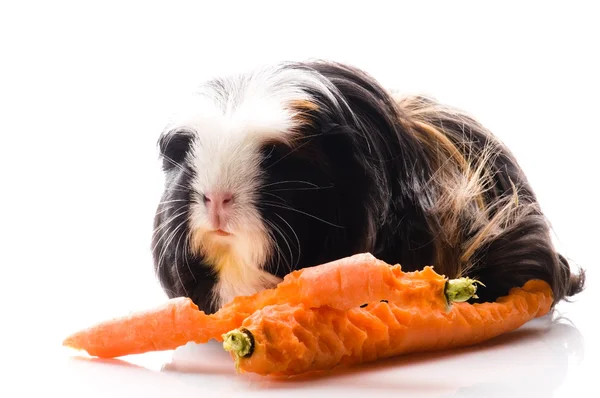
column 86, row 87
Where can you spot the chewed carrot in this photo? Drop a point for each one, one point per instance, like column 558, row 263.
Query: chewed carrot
column 341, row 284
column 289, row 339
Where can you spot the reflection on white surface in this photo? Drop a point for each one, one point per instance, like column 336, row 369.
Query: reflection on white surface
column 479, row 369
column 534, row 361
column 85, row 90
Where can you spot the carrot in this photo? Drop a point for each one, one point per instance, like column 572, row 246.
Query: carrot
column 325, row 301
column 289, row 339
column 344, row 284
column 162, row 328
column 341, row 284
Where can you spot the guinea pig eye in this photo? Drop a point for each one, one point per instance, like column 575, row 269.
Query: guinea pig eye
column 174, row 147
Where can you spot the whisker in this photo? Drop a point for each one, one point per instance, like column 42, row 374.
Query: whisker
column 301, row 189
column 186, row 246
column 269, row 154
column 172, row 201
column 288, row 154
column 274, row 241
column 172, row 190
column 278, row 197
column 297, row 239
column 168, row 220
column 164, row 251
column 301, row 212
column 287, row 242
column 176, row 188
column 161, row 226
column 186, row 187
column 274, row 244
column 169, row 240
column 174, row 163
column 173, row 187
column 304, row 137
column 278, row 230
column 164, row 248
column 163, row 210
column 177, row 267
column 289, row 181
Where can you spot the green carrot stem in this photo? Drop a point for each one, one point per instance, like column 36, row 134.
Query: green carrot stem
column 239, row 342
column 461, row 289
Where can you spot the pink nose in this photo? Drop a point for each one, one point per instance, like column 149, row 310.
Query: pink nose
column 218, row 205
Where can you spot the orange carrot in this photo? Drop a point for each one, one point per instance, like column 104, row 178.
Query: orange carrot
column 166, row 327
column 342, row 284
column 289, row 339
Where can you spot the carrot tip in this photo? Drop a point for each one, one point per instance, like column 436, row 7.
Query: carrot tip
column 461, row 289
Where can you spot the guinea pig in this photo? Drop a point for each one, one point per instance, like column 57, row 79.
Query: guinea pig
column 301, row 163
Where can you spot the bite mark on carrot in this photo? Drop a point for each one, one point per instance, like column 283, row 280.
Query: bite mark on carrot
column 317, row 318
column 342, row 284
column 379, row 331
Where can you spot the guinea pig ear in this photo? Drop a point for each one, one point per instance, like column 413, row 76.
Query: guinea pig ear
column 174, row 147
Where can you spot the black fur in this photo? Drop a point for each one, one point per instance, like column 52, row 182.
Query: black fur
column 355, row 181
column 179, row 270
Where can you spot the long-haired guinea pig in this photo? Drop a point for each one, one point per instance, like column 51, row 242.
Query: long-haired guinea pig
column 298, row 164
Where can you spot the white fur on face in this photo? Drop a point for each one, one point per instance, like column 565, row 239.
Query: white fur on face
column 232, row 120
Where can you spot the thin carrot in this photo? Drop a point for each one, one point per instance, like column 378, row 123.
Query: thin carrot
column 341, row 284
column 162, row 328
column 344, row 284
column 289, row 339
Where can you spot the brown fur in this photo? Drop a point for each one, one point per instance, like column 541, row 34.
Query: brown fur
column 469, row 208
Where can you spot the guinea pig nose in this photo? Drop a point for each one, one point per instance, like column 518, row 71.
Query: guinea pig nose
column 218, row 199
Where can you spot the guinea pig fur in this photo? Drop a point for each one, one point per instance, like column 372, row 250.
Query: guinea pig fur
column 297, row 164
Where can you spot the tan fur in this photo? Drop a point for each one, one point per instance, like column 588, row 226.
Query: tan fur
column 236, row 261
column 459, row 208
column 301, row 111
